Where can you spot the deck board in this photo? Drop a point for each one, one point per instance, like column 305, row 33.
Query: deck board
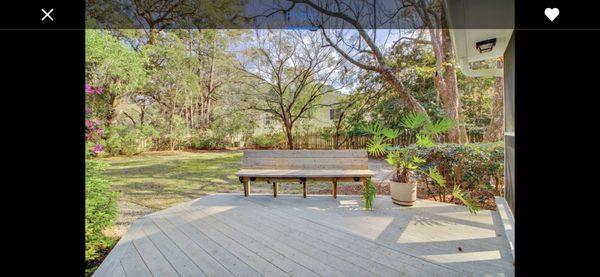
column 132, row 263
column 152, row 255
column 232, row 235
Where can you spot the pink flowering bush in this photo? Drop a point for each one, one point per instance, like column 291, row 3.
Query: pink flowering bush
column 94, row 131
column 100, row 200
column 92, row 90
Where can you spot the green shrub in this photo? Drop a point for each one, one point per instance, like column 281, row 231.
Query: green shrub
column 209, row 140
column 471, row 166
column 127, row 140
column 267, row 141
column 100, row 209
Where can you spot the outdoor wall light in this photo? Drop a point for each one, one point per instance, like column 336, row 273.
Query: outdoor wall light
column 486, row 45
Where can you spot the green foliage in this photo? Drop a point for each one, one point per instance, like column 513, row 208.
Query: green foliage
column 439, row 127
column 402, row 159
column 128, row 140
column 178, row 134
column 368, row 195
column 414, row 158
column 111, row 64
column 463, row 168
column 424, row 140
column 100, row 209
column 268, row 141
column 414, row 120
column 465, row 199
column 377, row 145
column 469, row 165
column 477, row 94
column 436, row 176
column 209, row 140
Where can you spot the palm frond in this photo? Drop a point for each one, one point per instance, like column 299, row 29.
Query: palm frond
column 393, row 157
column 414, row 120
column 465, row 199
column 418, row 160
column 377, row 145
column 436, row 176
column 440, row 126
column 373, row 129
column 424, row 140
column 369, row 192
column 390, row 133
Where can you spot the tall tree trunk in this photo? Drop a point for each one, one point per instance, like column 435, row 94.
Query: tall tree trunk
column 446, row 82
column 115, row 109
column 288, row 127
column 210, row 87
column 171, row 113
column 464, row 136
column 191, row 111
column 142, row 112
column 208, row 110
column 494, row 131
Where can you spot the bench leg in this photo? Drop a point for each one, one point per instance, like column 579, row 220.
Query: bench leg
column 304, row 189
column 246, row 187
column 334, row 188
column 274, row 189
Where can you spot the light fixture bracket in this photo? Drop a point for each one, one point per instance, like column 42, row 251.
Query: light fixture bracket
column 485, row 45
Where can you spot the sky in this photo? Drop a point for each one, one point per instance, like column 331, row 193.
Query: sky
column 385, row 38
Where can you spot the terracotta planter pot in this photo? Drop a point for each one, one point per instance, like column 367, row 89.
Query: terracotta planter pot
column 404, row 194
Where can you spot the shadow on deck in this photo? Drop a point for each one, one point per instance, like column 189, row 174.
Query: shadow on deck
column 232, row 235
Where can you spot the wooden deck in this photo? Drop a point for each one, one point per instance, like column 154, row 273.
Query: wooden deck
column 233, row 235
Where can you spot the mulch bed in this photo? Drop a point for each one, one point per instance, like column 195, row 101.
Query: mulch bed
column 485, row 199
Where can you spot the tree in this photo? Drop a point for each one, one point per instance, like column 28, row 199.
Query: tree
column 361, row 48
column 359, row 45
column 495, row 130
column 289, row 73
column 217, row 68
column 115, row 68
column 432, row 18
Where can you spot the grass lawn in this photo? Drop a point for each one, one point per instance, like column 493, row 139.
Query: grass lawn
column 158, row 180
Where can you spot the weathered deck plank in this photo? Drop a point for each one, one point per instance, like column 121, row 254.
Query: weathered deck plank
column 201, row 258
column 230, row 261
column 231, row 235
column 152, row 256
column 269, row 248
column 281, row 233
column 259, row 264
column 176, row 257
column 434, row 240
column 133, row 265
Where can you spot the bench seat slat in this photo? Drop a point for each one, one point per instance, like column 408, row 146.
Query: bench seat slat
column 312, row 173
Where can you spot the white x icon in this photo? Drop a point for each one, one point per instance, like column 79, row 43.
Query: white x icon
column 47, row 14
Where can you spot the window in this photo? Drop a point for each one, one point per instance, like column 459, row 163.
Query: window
column 331, row 114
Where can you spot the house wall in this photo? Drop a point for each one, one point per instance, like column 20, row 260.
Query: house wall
column 509, row 124
column 319, row 118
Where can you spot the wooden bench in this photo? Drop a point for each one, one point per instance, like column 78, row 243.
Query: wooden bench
column 275, row 166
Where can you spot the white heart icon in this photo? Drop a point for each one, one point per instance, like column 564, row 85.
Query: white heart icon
column 551, row 13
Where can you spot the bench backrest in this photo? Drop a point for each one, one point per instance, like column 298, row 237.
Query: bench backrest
column 305, row 159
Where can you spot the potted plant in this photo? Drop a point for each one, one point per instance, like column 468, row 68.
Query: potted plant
column 407, row 162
